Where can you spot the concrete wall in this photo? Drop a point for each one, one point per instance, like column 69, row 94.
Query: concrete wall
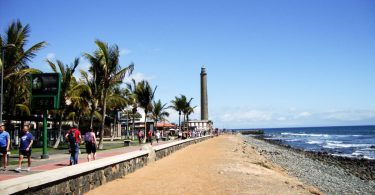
column 84, row 177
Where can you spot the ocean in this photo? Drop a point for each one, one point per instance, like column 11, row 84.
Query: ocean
column 348, row 141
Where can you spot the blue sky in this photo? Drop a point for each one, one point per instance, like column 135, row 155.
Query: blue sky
column 269, row 63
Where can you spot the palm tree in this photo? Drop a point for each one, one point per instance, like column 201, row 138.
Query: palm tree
column 145, row 95
column 67, row 84
column 116, row 101
column 105, row 64
column 93, row 86
column 178, row 104
column 129, row 114
column 187, row 110
column 158, row 112
column 79, row 98
column 16, row 67
column 132, row 99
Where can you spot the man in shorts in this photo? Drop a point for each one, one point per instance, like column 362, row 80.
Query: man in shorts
column 26, row 141
column 4, row 145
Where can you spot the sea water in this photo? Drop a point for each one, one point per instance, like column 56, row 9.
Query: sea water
column 349, row 141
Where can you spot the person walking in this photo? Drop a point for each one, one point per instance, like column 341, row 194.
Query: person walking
column 149, row 136
column 74, row 139
column 140, row 136
column 157, row 136
column 90, row 140
column 26, row 142
column 4, row 145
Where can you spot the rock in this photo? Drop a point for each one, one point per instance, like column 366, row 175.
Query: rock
column 151, row 153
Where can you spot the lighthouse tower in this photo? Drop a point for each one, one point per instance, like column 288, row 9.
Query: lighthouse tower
column 204, row 98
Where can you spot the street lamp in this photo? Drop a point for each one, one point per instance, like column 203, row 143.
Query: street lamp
column 2, row 78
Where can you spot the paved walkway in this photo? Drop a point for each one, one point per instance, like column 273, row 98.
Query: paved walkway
column 56, row 161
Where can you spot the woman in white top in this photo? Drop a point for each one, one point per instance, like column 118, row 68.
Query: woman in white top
column 157, row 136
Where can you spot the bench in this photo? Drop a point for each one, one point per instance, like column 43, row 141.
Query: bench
column 127, row 142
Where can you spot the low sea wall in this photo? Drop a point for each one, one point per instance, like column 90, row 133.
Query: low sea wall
column 84, row 177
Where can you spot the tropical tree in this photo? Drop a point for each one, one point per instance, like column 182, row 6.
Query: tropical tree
column 79, row 101
column 129, row 114
column 178, row 104
column 67, row 85
column 187, row 111
column 108, row 72
column 133, row 101
column 145, row 95
column 116, row 101
column 93, row 87
column 15, row 66
column 158, row 112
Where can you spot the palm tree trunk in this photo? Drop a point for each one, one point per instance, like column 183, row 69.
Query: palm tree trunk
column 133, row 126
column 79, row 118
column 145, row 133
column 57, row 143
column 93, row 108
column 127, row 125
column 103, row 122
column 114, row 130
column 179, row 120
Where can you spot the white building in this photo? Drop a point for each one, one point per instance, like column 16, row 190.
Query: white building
column 201, row 125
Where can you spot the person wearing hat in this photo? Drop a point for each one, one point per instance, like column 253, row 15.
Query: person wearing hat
column 4, row 145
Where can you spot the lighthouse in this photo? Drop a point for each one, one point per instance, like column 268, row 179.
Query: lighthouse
column 204, row 98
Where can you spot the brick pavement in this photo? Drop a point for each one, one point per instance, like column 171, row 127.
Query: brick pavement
column 56, row 161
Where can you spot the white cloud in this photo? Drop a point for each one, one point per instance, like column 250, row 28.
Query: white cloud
column 51, row 56
column 303, row 114
column 349, row 115
column 125, row 51
column 138, row 77
column 248, row 117
column 241, row 115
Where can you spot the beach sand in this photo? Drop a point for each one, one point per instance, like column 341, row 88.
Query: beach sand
column 222, row 165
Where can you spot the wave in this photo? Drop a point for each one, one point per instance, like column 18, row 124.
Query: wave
column 292, row 140
column 315, row 142
column 354, row 156
column 341, row 145
column 306, row 134
column 318, row 135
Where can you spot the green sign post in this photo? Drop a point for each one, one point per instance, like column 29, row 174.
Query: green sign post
column 45, row 95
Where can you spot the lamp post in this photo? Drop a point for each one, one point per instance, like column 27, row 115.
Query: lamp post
column 2, row 77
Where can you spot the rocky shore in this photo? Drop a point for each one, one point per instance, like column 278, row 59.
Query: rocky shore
column 331, row 174
column 362, row 168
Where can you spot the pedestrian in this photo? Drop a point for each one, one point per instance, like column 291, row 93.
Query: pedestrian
column 180, row 134
column 74, row 138
column 90, row 141
column 26, row 142
column 157, row 136
column 149, row 136
column 140, row 136
column 4, row 145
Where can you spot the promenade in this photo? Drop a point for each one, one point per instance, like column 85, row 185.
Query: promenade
column 222, row 165
column 60, row 160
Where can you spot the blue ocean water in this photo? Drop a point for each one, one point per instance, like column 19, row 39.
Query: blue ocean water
column 349, row 141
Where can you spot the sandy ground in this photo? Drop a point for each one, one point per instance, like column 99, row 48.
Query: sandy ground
column 222, row 165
